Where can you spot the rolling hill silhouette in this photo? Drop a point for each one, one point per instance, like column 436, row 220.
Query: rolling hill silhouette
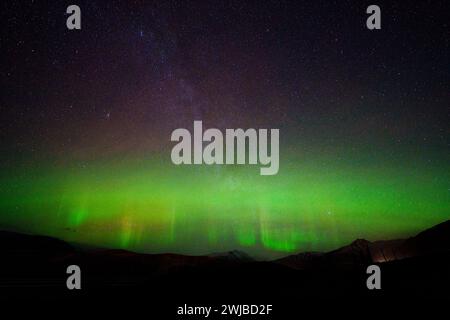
column 34, row 267
column 435, row 240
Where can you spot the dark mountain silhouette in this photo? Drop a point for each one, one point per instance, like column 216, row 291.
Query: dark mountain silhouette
column 34, row 267
column 18, row 244
column 233, row 255
column 435, row 240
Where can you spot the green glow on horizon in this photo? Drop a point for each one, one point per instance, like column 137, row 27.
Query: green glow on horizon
column 149, row 207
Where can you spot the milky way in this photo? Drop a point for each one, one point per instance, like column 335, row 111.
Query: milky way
column 87, row 117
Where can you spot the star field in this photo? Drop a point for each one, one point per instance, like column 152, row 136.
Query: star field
column 87, row 114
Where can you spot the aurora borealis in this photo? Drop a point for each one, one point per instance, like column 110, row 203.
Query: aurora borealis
column 87, row 116
column 132, row 206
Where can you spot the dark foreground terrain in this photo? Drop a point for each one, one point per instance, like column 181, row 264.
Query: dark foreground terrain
column 415, row 273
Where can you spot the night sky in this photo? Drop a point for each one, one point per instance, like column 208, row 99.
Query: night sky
column 86, row 119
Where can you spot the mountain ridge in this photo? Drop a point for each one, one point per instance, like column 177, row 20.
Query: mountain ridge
column 361, row 251
column 433, row 240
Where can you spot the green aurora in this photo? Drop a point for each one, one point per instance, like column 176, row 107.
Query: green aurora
column 87, row 115
column 151, row 205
